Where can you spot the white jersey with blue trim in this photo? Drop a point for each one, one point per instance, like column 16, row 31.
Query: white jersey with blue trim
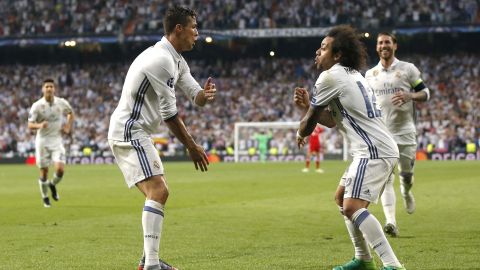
column 400, row 76
column 148, row 94
column 355, row 111
column 53, row 113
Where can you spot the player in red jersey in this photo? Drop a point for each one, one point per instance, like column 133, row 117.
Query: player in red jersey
column 314, row 148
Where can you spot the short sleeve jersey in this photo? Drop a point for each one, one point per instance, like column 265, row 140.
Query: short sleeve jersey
column 53, row 113
column 400, row 76
column 355, row 112
column 148, row 94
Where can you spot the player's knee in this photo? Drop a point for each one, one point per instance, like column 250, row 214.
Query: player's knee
column 348, row 211
column 339, row 198
column 406, row 177
column 60, row 173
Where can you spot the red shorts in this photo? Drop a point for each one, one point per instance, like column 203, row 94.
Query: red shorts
column 314, row 147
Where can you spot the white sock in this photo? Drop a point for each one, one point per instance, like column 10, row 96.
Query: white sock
column 56, row 179
column 373, row 233
column 362, row 251
column 152, row 219
column 43, row 188
column 389, row 200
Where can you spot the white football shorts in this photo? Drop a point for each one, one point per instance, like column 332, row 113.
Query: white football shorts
column 366, row 178
column 46, row 154
column 137, row 159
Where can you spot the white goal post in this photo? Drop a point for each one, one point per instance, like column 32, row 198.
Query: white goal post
column 269, row 125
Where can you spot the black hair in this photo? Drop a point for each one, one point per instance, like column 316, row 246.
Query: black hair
column 48, row 80
column 177, row 15
column 347, row 42
column 394, row 38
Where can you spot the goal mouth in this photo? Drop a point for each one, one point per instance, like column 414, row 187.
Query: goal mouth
column 272, row 141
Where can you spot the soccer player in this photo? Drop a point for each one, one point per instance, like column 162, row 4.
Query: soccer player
column 47, row 117
column 262, row 139
column 352, row 103
column 397, row 84
column 314, row 148
column 148, row 97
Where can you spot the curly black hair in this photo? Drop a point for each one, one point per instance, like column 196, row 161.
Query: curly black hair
column 347, row 42
column 177, row 15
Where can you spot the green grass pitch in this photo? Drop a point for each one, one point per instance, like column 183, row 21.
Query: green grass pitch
column 235, row 216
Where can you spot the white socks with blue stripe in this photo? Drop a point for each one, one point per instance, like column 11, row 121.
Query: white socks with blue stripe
column 373, row 233
column 152, row 220
column 43, row 188
column 362, row 251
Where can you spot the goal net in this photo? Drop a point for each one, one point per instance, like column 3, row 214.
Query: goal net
column 276, row 141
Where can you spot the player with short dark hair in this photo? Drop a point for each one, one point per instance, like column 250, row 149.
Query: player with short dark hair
column 352, row 108
column 148, row 99
column 46, row 117
column 397, row 85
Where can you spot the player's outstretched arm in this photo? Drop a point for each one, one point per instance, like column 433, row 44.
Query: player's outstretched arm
column 207, row 95
column 196, row 152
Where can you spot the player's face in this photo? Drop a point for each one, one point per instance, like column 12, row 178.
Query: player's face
column 386, row 47
column 189, row 34
column 48, row 90
column 324, row 58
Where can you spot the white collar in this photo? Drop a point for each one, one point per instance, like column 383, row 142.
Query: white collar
column 395, row 62
column 166, row 43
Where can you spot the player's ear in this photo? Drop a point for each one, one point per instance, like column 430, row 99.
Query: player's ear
column 337, row 56
column 178, row 28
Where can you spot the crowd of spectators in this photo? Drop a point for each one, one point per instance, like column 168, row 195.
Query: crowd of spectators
column 248, row 90
column 127, row 17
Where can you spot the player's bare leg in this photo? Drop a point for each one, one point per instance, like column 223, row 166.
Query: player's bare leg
column 308, row 156
column 156, row 193
column 317, row 163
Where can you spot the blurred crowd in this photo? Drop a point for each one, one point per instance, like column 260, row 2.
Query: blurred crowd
column 127, row 17
column 249, row 90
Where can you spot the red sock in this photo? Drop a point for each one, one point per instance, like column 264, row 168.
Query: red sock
column 307, row 164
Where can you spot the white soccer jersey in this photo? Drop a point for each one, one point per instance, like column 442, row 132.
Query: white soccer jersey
column 148, row 94
column 53, row 113
column 400, row 76
column 355, row 111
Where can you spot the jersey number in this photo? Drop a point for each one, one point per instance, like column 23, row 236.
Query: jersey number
column 372, row 110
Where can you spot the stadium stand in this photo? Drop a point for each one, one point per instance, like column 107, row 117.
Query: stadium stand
column 113, row 17
column 251, row 89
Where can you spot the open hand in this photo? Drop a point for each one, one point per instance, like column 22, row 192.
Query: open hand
column 209, row 90
column 199, row 157
column 401, row 98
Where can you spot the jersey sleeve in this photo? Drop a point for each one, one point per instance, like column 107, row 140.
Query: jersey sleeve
column 414, row 78
column 67, row 108
column 187, row 83
column 33, row 114
column 159, row 73
column 324, row 90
